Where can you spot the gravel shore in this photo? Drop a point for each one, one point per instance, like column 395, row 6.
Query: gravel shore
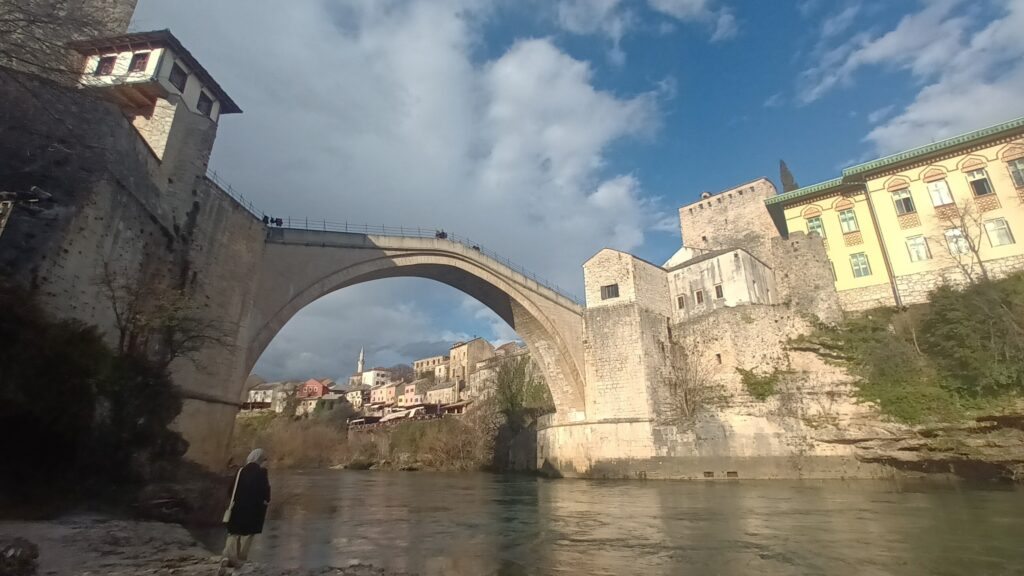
column 94, row 546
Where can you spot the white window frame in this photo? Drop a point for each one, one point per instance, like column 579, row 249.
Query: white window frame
column 914, row 245
column 1016, row 167
column 719, row 292
column 698, row 297
column 1001, row 225
column 860, row 265
column 820, row 229
column 940, row 193
column 901, row 195
column 845, row 225
column 956, row 242
column 980, row 175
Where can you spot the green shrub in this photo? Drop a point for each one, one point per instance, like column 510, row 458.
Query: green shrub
column 976, row 337
column 935, row 362
column 761, row 387
column 74, row 415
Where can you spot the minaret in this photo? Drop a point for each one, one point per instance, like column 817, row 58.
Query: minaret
column 359, row 366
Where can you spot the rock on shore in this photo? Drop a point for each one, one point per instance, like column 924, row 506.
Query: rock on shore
column 95, row 546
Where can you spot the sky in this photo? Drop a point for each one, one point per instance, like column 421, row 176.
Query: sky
column 547, row 130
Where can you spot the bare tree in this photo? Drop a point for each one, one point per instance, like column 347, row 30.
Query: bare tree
column 34, row 35
column 157, row 322
column 962, row 237
column 690, row 388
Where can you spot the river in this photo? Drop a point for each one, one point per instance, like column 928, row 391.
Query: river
column 478, row 524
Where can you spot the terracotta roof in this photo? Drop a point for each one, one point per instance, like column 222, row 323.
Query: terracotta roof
column 160, row 39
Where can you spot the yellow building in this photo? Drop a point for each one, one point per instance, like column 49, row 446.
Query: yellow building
column 897, row 227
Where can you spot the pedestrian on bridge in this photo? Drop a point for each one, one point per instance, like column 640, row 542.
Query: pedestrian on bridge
column 247, row 510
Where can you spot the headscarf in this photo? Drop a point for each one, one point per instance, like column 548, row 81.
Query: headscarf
column 257, row 456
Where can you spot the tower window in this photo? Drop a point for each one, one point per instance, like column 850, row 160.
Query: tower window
column 681, row 302
column 139, row 62
column 105, row 67
column 178, row 77
column 205, row 105
column 718, row 291
column 698, row 296
column 609, row 291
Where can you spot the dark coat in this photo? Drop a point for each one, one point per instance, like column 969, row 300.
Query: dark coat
column 251, row 499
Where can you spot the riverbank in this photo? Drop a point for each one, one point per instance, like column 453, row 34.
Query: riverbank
column 97, row 545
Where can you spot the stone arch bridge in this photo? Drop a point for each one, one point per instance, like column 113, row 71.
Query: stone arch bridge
column 301, row 265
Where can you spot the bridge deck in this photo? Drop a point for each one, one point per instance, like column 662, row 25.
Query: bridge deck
column 343, row 234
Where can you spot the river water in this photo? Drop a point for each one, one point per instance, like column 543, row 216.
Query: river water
column 478, row 524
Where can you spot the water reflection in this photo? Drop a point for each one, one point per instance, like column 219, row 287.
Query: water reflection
column 434, row 524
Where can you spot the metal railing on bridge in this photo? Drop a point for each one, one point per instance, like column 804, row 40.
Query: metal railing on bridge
column 324, row 225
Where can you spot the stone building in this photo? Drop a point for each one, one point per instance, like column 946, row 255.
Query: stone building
column 413, row 393
column 441, row 372
column 897, row 227
column 464, row 356
column 713, row 279
column 425, row 365
column 441, row 393
column 358, row 395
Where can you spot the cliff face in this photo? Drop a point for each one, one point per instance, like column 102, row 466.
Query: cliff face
column 795, row 413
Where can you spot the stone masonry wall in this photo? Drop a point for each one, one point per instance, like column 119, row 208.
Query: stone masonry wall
column 860, row 299
column 155, row 125
column 801, row 430
column 652, row 291
column 605, row 268
column 803, row 276
column 108, row 210
column 734, row 218
column 915, row 288
column 619, row 351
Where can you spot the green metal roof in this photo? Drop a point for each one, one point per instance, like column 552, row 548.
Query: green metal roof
column 850, row 174
column 805, row 191
column 934, row 147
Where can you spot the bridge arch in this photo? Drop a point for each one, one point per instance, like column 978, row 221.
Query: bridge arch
column 301, row 266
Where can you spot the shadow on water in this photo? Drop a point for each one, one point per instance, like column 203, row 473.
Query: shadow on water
column 473, row 524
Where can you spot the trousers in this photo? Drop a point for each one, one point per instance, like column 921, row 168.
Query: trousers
column 236, row 549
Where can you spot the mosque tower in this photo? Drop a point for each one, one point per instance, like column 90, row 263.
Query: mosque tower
column 360, row 365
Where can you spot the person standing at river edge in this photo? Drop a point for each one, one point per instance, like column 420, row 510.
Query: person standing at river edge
column 246, row 511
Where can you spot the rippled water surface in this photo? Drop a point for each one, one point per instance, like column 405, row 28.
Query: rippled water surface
column 434, row 524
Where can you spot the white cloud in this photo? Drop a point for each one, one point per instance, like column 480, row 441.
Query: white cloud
column 840, row 22
column 722, row 20
column 882, row 113
column 775, row 100
column 616, row 18
column 682, row 9
column 970, row 69
column 366, row 111
column 605, row 17
column 725, row 27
